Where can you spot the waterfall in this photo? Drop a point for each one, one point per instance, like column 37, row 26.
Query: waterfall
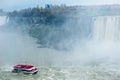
column 106, row 28
column 3, row 20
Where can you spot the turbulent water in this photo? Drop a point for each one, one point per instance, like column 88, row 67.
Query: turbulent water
column 101, row 72
column 97, row 59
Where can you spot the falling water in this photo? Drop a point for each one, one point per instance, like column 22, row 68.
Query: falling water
column 107, row 28
column 3, row 20
column 92, row 61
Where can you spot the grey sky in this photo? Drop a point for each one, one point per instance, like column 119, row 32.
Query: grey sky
column 19, row 4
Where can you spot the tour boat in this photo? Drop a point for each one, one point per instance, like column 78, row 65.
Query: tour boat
column 25, row 68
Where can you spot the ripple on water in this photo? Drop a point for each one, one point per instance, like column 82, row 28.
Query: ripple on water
column 95, row 72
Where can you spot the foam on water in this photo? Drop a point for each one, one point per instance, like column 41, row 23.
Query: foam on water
column 95, row 72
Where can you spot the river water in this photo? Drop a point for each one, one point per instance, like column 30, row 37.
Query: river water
column 96, row 72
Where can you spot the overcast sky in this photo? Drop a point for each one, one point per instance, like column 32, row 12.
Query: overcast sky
column 21, row 4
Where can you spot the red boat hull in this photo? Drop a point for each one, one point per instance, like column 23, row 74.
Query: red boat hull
column 26, row 69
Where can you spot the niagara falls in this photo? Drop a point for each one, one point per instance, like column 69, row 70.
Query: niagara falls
column 64, row 40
